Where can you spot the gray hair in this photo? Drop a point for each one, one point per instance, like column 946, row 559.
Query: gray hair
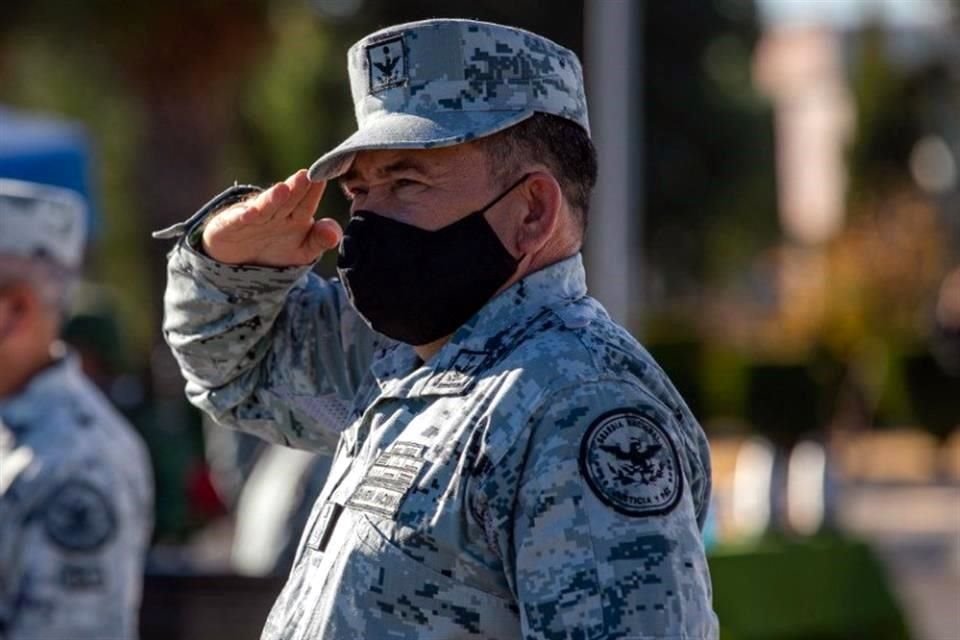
column 53, row 283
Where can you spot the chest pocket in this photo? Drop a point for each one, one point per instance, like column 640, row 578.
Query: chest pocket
column 379, row 493
column 407, row 592
column 387, row 482
column 414, row 487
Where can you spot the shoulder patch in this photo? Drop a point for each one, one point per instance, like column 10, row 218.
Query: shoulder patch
column 631, row 464
column 79, row 517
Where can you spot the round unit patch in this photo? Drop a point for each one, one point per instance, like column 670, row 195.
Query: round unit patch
column 79, row 517
column 631, row 464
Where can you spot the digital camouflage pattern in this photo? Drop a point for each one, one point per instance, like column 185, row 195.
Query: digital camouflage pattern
column 75, row 512
column 437, row 83
column 539, row 478
column 42, row 221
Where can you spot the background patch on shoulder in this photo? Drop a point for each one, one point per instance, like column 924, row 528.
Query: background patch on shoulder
column 631, row 464
column 79, row 517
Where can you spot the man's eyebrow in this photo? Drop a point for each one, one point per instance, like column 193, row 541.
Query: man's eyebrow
column 404, row 164
column 399, row 166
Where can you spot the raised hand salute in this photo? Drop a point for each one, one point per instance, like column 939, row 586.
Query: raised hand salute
column 275, row 228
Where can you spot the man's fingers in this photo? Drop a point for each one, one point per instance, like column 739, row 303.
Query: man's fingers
column 298, row 184
column 265, row 206
column 324, row 235
column 278, row 199
column 276, row 202
column 310, row 201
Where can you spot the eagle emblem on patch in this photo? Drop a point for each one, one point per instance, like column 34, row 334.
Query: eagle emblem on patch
column 79, row 517
column 387, row 64
column 631, row 464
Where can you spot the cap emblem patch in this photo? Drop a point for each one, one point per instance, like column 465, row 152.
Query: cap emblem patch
column 387, row 64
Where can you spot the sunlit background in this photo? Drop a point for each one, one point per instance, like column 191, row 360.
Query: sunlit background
column 778, row 221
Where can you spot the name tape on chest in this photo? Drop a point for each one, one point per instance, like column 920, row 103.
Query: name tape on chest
column 381, row 492
column 389, row 479
column 81, row 577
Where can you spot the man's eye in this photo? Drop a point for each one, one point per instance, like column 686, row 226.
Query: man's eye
column 404, row 182
column 351, row 194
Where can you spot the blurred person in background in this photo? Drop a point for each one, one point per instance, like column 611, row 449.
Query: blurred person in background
column 509, row 463
column 75, row 483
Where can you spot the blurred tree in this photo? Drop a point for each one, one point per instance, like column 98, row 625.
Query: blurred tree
column 154, row 84
column 710, row 202
column 68, row 77
column 886, row 124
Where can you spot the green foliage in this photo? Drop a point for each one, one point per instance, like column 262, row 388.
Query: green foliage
column 70, row 78
column 708, row 158
column 725, row 381
column 295, row 100
column 885, row 122
column 822, row 588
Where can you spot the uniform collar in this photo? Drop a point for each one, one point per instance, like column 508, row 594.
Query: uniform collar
column 50, row 382
column 481, row 340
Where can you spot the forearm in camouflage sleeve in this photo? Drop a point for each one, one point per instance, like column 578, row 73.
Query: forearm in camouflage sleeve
column 276, row 352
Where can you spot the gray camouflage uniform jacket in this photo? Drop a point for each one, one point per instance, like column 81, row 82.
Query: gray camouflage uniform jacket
column 539, row 478
column 76, row 511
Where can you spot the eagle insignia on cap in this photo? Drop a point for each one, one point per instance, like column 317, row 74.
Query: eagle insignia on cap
column 387, row 64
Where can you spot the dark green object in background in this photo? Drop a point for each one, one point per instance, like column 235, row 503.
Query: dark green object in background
column 932, row 393
column 822, row 588
column 783, row 402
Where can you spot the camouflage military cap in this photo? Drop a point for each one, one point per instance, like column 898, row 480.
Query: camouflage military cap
column 439, row 83
column 38, row 220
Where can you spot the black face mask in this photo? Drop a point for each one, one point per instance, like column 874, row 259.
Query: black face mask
column 415, row 285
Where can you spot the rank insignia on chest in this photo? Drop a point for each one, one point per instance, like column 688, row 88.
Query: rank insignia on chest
column 460, row 376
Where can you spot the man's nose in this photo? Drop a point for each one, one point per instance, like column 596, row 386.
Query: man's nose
column 371, row 199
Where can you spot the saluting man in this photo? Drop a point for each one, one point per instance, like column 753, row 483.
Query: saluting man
column 75, row 488
column 509, row 463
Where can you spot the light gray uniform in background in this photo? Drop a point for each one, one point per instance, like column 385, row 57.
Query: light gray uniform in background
column 76, row 493
column 76, row 512
column 539, row 478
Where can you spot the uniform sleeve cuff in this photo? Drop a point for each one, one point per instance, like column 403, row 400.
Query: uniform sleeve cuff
column 237, row 281
column 234, row 194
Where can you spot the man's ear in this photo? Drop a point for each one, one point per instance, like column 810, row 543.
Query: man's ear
column 544, row 204
column 16, row 307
